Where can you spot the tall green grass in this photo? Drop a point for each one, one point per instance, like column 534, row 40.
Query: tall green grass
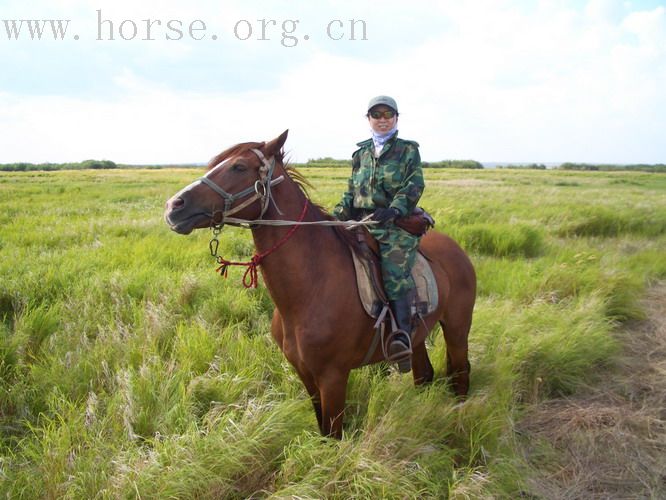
column 128, row 368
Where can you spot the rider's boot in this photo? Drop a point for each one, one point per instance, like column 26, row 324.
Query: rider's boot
column 400, row 344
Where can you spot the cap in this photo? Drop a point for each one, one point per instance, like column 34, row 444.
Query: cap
column 385, row 100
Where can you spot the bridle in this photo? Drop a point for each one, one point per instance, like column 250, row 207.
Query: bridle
column 260, row 190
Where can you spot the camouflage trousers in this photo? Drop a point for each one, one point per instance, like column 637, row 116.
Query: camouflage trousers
column 397, row 250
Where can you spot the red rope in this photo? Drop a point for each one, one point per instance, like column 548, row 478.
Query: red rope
column 251, row 276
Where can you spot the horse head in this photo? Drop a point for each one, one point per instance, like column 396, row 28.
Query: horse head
column 238, row 182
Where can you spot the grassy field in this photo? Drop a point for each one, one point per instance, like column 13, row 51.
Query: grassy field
column 129, row 369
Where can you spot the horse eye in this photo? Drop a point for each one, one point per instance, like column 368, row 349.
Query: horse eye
column 238, row 167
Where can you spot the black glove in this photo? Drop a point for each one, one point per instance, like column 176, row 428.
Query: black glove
column 384, row 215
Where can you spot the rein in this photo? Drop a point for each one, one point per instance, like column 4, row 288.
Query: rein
column 250, row 278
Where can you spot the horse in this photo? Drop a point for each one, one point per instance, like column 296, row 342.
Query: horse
column 319, row 322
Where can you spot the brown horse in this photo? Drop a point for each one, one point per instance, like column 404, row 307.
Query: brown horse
column 319, row 321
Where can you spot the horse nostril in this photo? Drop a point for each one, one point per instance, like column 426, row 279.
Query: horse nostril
column 177, row 203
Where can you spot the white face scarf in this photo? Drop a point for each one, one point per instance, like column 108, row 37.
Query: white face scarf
column 380, row 139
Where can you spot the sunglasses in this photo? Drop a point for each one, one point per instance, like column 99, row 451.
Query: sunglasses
column 388, row 114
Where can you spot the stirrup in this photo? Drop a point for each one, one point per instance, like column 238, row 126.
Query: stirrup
column 403, row 356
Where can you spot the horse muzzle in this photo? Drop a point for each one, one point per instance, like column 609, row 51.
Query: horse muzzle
column 183, row 216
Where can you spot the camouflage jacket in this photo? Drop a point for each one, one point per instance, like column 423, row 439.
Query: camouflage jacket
column 394, row 179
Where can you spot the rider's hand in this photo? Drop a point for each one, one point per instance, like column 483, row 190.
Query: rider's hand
column 384, row 215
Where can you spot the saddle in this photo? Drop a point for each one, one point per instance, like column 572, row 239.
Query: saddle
column 371, row 289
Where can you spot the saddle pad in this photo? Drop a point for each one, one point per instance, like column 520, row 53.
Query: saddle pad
column 427, row 296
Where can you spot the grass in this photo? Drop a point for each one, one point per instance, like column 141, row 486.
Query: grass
column 129, row 369
column 608, row 439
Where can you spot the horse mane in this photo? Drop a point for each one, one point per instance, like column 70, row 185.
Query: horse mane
column 347, row 237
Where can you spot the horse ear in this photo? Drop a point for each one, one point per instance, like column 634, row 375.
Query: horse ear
column 273, row 147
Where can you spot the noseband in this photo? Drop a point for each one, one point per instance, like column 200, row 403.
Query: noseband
column 260, row 190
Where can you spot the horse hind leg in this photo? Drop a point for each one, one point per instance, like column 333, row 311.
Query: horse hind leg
column 457, row 362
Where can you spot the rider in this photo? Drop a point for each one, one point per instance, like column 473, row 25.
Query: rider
column 387, row 182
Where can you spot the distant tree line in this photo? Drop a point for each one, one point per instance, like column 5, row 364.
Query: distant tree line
column 327, row 162
column 530, row 166
column 332, row 162
column 83, row 165
column 473, row 164
column 659, row 167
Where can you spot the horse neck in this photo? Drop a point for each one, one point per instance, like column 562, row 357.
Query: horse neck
column 293, row 271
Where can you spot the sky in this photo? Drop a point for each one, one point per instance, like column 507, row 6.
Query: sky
column 165, row 82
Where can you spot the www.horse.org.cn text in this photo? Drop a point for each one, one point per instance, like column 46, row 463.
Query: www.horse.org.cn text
column 287, row 32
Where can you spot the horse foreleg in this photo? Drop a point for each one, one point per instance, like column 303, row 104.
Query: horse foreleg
column 277, row 330
column 313, row 391
column 333, row 390
column 422, row 369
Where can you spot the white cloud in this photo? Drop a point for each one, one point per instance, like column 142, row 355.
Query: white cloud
column 605, row 10
column 649, row 27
